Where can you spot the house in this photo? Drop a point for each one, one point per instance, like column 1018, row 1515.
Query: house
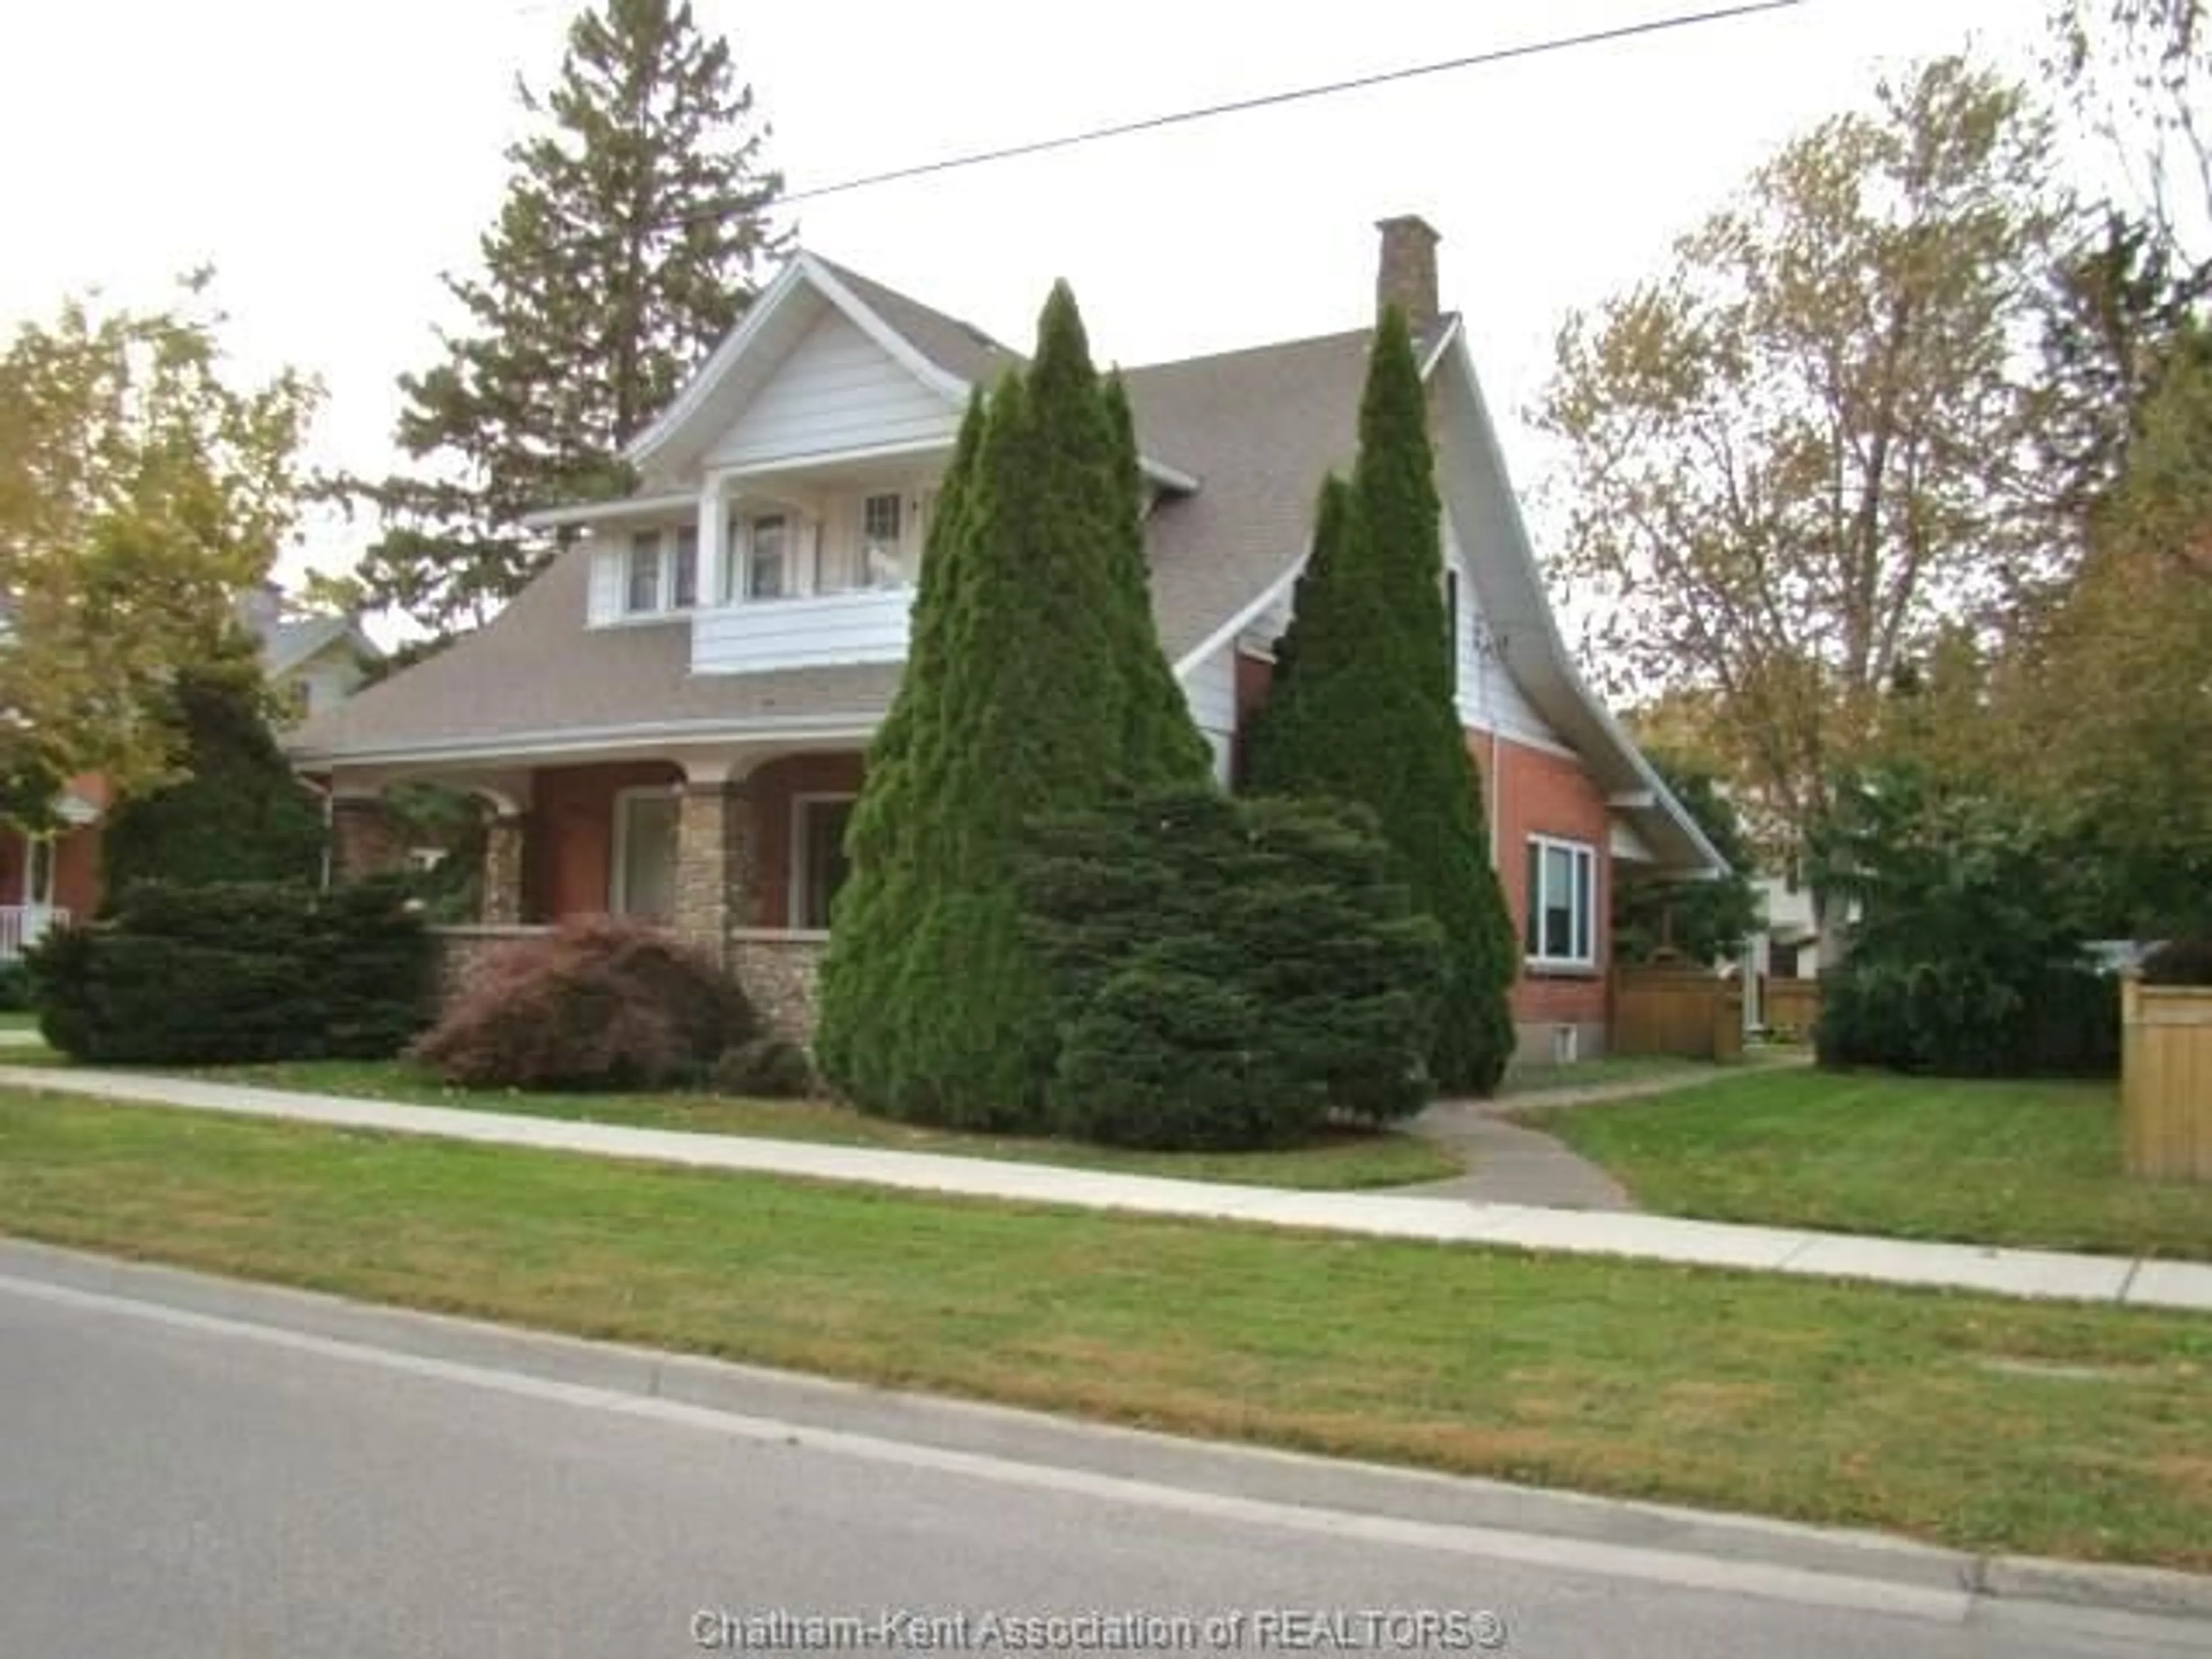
column 312, row 663
column 671, row 722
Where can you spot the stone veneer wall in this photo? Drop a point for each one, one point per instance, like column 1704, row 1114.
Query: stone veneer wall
column 463, row 950
column 780, row 971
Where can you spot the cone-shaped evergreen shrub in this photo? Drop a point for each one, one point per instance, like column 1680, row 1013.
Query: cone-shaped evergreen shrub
column 1362, row 709
column 1036, row 684
column 1226, row 972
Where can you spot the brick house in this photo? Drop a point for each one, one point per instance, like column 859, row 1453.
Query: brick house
column 671, row 722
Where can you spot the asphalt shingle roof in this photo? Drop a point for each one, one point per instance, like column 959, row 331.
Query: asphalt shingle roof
column 1257, row 428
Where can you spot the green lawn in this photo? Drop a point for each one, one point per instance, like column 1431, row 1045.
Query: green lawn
column 1982, row 1424
column 1346, row 1159
column 1600, row 1073
column 18, row 1022
column 2005, row 1163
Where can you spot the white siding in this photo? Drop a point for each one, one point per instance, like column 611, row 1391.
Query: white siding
column 1259, row 640
column 605, row 603
column 802, row 633
column 1488, row 698
column 1210, row 688
column 837, row 391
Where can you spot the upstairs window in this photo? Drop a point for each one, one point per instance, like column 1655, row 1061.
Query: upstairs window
column 1561, row 930
column 641, row 594
column 768, row 557
column 686, row 584
column 882, row 519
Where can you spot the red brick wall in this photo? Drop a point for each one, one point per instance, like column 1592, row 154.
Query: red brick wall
column 569, row 834
column 771, row 789
column 1541, row 793
column 1255, row 678
column 76, row 873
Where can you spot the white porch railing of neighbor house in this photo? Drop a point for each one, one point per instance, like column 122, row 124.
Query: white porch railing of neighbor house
column 804, row 631
column 22, row 925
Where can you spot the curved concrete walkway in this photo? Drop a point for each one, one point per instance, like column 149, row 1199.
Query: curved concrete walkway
column 2044, row 1274
column 1509, row 1163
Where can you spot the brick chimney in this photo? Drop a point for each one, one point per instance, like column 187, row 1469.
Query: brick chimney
column 1405, row 276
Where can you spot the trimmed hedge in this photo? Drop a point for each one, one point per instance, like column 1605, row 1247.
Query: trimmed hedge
column 2180, row 962
column 599, row 1003
column 237, row 971
column 1954, row 1020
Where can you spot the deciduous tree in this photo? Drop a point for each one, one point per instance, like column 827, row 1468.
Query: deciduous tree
column 1805, row 446
column 144, row 485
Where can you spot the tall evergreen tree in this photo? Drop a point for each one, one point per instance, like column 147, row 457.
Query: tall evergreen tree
column 1035, row 686
column 1362, row 707
column 240, row 813
column 635, row 219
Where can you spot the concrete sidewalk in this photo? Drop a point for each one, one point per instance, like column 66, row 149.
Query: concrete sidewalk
column 2042, row 1274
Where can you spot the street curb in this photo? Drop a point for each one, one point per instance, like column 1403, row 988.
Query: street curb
column 832, row 1406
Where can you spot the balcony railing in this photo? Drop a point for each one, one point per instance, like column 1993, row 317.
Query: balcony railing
column 22, row 925
column 805, row 631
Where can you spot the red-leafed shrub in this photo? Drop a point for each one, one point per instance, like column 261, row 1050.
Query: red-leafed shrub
column 599, row 1003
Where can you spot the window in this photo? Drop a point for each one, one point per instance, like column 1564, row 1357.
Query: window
column 643, row 592
column 687, row 569
column 819, row 870
column 299, row 699
column 643, row 875
column 768, row 558
column 881, row 518
column 1562, row 903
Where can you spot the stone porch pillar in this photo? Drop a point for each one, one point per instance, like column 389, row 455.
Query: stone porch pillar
column 500, row 902
column 715, row 863
column 362, row 843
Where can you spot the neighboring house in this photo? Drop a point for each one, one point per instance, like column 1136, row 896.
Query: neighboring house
column 312, row 664
column 670, row 720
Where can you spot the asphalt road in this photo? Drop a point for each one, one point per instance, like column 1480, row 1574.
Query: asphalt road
column 174, row 1486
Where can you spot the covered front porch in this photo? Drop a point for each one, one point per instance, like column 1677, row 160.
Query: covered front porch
column 740, row 851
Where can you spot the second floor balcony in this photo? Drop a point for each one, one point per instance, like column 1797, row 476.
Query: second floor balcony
column 770, row 573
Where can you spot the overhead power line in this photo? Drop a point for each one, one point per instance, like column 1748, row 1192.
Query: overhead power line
column 1270, row 99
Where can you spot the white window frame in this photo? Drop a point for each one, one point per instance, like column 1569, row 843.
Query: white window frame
column 799, row 876
column 1584, row 857
column 641, row 542
column 789, row 585
column 898, row 543
column 618, row 850
column 686, row 541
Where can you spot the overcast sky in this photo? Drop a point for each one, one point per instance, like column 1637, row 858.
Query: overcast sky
column 331, row 161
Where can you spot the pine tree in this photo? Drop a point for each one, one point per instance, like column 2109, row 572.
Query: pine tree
column 634, row 223
column 1034, row 686
column 240, row 813
column 1362, row 708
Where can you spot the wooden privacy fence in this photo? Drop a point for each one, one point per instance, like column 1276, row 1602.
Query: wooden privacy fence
column 1676, row 1011
column 1790, row 1005
column 2166, row 1080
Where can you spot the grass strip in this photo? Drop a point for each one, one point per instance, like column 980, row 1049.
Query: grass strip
column 2057, row 1430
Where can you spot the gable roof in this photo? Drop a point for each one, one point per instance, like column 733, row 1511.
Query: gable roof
column 286, row 645
column 1252, row 431
column 1262, row 425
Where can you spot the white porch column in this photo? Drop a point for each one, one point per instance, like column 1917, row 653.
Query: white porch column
column 714, row 542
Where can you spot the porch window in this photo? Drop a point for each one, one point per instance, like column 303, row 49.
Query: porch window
column 882, row 518
column 768, row 557
column 643, row 875
column 1561, row 930
column 819, row 864
column 687, row 569
column 642, row 595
